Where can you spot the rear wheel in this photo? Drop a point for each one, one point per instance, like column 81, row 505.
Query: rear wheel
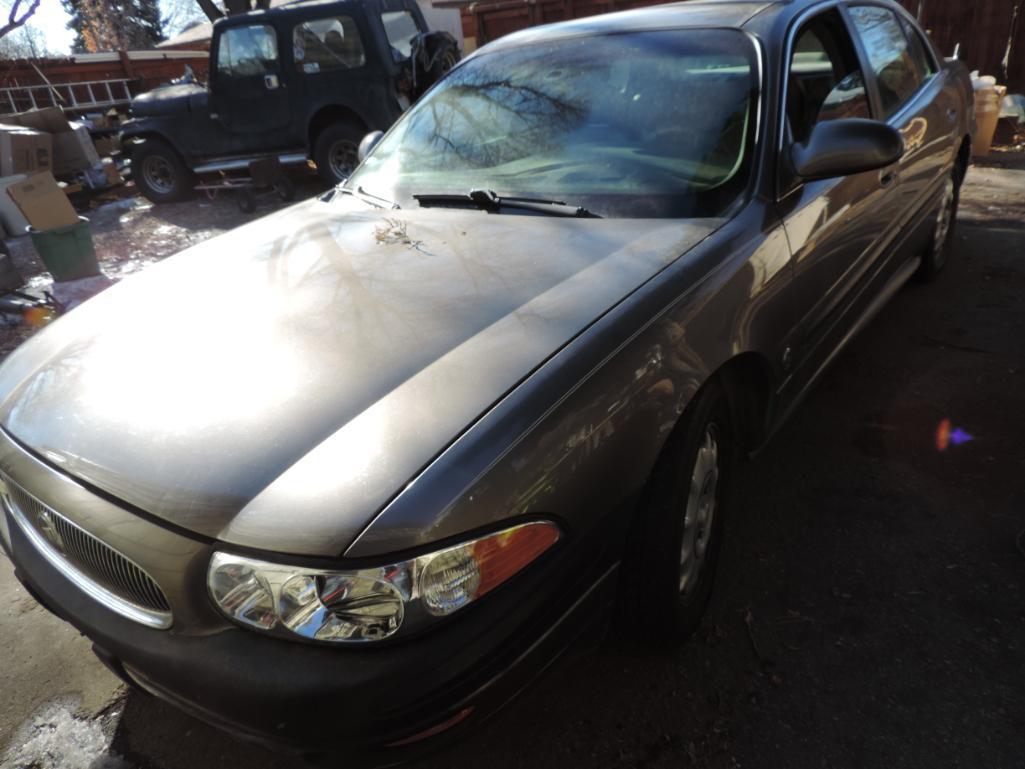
column 669, row 565
column 941, row 242
column 336, row 151
column 160, row 174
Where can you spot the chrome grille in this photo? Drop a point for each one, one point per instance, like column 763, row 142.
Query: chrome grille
column 95, row 559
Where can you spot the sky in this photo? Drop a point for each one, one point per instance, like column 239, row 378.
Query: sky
column 52, row 21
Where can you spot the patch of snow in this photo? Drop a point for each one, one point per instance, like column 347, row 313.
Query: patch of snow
column 55, row 739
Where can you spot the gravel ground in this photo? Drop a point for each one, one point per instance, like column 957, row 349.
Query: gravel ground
column 870, row 609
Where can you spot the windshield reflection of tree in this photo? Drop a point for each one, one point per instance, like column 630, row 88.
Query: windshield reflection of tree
column 484, row 120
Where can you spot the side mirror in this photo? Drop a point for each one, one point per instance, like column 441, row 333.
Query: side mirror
column 369, row 142
column 845, row 147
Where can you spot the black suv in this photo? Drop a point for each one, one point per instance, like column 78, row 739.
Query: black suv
column 300, row 81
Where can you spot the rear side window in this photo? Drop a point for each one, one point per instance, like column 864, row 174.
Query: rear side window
column 401, row 28
column 889, row 55
column 324, row 45
column 825, row 79
column 248, row 51
column 917, row 47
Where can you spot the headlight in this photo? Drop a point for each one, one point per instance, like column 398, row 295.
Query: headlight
column 371, row 604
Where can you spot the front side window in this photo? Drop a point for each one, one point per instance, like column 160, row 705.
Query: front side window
column 401, row 28
column 889, row 55
column 644, row 124
column 248, row 51
column 323, row 45
column 825, row 80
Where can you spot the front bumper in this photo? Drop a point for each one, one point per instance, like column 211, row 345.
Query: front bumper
column 313, row 698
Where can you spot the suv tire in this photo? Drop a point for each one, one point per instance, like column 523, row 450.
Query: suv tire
column 160, row 174
column 672, row 551
column 336, row 151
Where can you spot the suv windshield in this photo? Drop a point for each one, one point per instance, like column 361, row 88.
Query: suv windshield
column 647, row 124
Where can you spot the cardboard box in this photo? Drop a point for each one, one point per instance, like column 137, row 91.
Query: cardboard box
column 73, row 150
column 110, row 171
column 24, row 151
column 49, row 120
column 13, row 219
column 42, row 202
column 107, row 145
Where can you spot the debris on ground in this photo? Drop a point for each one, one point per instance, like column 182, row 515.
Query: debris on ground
column 56, row 738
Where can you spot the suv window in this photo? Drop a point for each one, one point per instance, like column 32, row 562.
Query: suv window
column 401, row 28
column 322, row 45
column 247, row 51
column 888, row 54
column 825, row 79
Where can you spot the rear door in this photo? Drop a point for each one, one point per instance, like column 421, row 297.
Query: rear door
column 911, row 97
column 836, row 227
column 249, row 94
column 334, row 63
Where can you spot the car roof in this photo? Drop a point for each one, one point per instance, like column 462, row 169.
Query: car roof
column 692, row 13
column 312, row 7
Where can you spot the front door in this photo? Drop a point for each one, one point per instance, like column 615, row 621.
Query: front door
column 837, row 228
column 910, row 98
column 249, row 94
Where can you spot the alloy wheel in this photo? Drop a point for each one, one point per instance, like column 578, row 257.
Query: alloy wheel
column 699, row 515
column 943, row 221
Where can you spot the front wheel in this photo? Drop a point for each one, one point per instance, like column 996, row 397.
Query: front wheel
column 941, row 242
column 673, row 548
column 159, row 172
column 336, row 151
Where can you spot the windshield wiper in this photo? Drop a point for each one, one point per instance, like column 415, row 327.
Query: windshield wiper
column 487, row 200
column 361, row 194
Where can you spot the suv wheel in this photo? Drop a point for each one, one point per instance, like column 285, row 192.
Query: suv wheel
column 159, row 172
column 671, row 554
column 336, row 151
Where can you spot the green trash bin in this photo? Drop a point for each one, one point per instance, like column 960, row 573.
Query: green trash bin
column 67, row 251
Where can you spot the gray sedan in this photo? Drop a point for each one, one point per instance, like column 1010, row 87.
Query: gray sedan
column 347, row 478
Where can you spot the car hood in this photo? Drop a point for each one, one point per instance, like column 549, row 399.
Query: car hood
column 275, row 386
column 169, row 100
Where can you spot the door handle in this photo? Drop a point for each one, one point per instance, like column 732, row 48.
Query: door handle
column 886, row 178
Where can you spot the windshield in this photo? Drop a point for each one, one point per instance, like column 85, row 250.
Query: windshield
column 647, row 124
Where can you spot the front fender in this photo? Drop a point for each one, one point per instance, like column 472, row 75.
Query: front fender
column 137, row 130
column 578, row 439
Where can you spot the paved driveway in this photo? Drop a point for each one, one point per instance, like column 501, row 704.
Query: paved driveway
column 870, row 610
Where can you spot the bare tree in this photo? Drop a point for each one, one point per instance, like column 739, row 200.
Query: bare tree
column 28, row 42
column 21, row 11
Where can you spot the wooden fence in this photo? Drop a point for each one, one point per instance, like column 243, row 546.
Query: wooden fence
column 991, row 34
column 989, row 31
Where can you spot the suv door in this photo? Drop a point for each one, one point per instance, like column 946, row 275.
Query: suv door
column 911, row 98
column 837, row 227
column 334, row 64
column 249, row 94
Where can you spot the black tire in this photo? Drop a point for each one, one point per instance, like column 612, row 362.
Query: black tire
column 941, row 241
column 658, row 603
column 160, row 173
column 336, row 151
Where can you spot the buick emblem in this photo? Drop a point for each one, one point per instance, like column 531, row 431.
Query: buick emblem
column 45, row 524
